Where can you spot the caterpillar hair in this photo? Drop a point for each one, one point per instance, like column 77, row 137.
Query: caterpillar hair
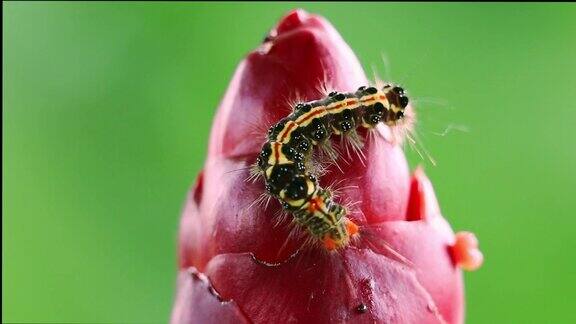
column 284, row 159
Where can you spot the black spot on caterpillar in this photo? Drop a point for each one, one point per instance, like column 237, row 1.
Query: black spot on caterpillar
column 284, row 156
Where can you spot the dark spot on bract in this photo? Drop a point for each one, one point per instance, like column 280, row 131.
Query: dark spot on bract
column 362, row 308
column 267, row 38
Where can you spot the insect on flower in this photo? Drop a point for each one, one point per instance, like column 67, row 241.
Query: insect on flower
column 285, row 155
column 237, row 266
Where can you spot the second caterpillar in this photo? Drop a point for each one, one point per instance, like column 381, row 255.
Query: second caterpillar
column 283, row 160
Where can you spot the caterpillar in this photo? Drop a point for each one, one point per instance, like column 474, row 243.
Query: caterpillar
column 285, row 156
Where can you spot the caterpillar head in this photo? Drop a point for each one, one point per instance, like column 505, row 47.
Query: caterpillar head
column 398, row 102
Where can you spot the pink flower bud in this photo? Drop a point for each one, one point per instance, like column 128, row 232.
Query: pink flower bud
column 238, row 265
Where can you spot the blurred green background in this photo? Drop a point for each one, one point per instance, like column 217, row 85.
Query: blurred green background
column 101, row 142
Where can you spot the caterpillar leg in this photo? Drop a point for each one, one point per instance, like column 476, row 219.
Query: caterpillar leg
column 332, row 241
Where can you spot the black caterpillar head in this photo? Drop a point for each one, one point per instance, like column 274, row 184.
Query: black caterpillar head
column 401, row 100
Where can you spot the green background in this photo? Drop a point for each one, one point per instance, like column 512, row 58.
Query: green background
column 101, row 141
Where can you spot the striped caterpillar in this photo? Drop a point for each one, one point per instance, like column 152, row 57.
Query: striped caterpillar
column 284, row 158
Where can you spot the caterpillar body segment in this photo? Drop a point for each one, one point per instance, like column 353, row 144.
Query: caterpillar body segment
column 284, row 158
